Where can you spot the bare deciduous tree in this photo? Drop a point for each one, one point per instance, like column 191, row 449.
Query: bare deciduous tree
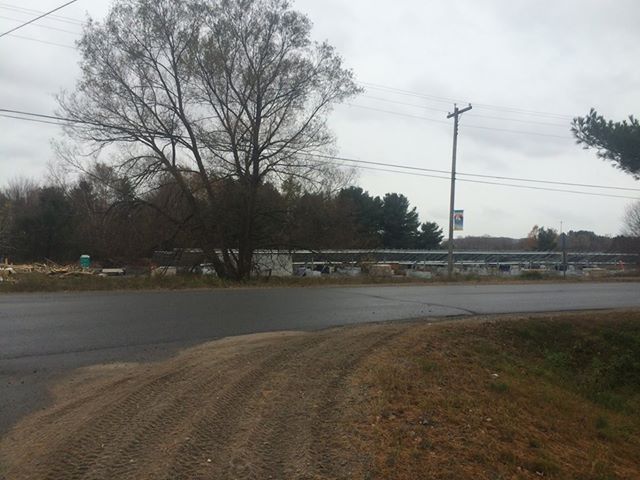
column 632, row 220
column 210, row 93
column 5, row 223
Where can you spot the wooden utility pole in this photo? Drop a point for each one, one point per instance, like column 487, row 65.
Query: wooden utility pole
column 456, row 115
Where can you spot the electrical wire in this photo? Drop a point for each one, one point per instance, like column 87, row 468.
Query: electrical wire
column 470, row 114
column 400, row 114
column 429, row 119
column 367, row 84
column 46, row 42
column 39, row 115
column 31, row 11
column 478, row 175
column 4, row 115
column 481, row 127
column 416, row 171
column 42, row 26
column 386, row 100
column 37, row 18
column 449, row 100
column 520, row 132
column 519, row 120
column 529, row 187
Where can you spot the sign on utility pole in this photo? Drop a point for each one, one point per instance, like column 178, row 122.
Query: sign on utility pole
column 458, row 220
column 456, row 115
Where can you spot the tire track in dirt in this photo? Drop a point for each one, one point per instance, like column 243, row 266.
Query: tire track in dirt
column 110, row 445
column 280, row 440
column 86, row 455
column 264, row 407
column 201, row 456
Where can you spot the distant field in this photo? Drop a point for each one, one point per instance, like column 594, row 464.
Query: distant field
column 526, row 397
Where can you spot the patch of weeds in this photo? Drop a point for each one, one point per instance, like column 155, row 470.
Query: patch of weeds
column 507, row 435
column 532, row 276
column 544, row 333
column 428, row 366
column 534, row 443
column 426, row 444
column 456, row 403
column 600, row 360
column 487, row 350
column 471, row 277
column 609, row 400
column 559, row 361
column 602, row 471
column 508, row 457
column 543, row 465
column 499, row 387
column 605, row 430
column 508, row 366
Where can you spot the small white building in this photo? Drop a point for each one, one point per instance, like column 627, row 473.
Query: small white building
column 273, row 263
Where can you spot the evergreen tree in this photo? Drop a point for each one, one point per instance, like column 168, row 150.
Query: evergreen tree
column 430, row 236
column 618, row 142
column 399, row 222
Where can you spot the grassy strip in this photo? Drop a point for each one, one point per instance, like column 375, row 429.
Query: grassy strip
column 37, row 282
column 553, row 398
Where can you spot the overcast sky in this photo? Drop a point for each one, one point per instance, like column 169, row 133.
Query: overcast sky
column 558, row 57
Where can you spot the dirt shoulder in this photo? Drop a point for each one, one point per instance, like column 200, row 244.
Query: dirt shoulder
column 476, row 398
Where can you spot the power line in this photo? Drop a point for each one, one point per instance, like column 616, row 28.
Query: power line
column 449, row 100
column 507, row 130
column 409, row 93
column 519, row 120
column 409, row 169
column 4, row 115
column 43, row 26
column 379, row 99
column 497, row 177
column 30, row 11
column 37, row 18
column 371, row 85
column 39, row 115
column 521, row 132
column 31, row 39
column 400, row 114
column 483, row 182
column 492, row 117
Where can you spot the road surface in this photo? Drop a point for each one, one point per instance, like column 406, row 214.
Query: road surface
column 43, row 336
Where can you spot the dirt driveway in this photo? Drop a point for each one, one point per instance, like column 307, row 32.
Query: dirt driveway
column 264, row 406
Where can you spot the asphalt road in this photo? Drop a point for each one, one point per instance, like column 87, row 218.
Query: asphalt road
column 46, row 335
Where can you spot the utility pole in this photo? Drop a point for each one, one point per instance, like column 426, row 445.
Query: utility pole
column 456, row 115
column 563, row 245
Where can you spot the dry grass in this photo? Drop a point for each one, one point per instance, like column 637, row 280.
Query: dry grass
column 39, row 282
column 551, row 398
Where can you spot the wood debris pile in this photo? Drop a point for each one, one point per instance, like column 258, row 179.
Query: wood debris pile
column 6, row 273
column 50, row 267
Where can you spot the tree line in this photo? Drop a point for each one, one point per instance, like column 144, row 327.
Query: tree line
column 98, row 215
column 543, row 239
